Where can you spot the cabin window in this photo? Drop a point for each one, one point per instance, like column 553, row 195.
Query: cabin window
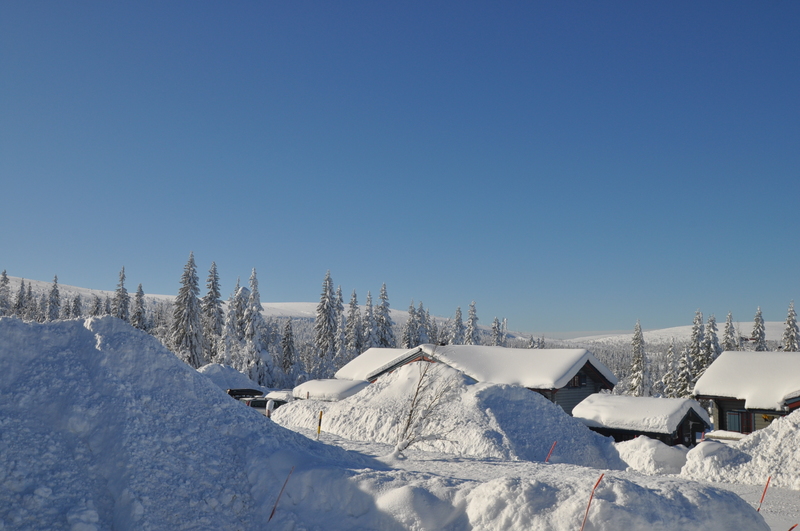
column 741, row 421
column 579, row 380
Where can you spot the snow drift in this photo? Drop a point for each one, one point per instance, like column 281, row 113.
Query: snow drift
column 482, row 419
column 650, row 456
column 228, row 378
column 102, row 428
column 768, row 452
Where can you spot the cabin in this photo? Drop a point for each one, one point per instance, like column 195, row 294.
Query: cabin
column 563, row 376
column 672, row 421
column 748, row 390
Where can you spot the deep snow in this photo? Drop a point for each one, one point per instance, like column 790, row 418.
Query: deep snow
column 101, row 428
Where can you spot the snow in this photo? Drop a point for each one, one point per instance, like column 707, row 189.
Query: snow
column 531, row 368
column 650, row 456
column 102, row 428
column 764, row 380
column 227, row 377
column 373, row 361
column 771, row 451
column 654, row 415
column 328, row 389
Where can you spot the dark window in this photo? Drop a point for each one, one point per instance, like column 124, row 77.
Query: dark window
column 579, row 380
column 741, row 421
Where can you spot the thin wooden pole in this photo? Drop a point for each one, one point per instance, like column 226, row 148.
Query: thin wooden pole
column 550, row 452
column 591, row 496
column 319, row 425
column 763, row 494
column 279, row 495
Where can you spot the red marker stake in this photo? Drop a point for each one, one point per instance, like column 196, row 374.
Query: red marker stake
column 279, row 495
column 795, row 525
column 585, row 516
column 550, row 452
column 764, row 494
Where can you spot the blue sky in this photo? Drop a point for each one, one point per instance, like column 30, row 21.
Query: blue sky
column 566, row 165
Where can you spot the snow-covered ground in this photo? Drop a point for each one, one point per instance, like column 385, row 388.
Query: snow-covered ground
column 102, row 428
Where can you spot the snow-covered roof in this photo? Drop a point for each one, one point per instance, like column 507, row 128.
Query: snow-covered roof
column 647, row 414
column 764, row 380
column 532, row 368
column 328, row 389
column 372, row 362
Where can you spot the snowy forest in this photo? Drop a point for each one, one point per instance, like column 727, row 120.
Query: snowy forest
column 281, row 352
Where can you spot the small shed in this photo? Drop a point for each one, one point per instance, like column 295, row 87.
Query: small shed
column 669, row 420
column 748, row 390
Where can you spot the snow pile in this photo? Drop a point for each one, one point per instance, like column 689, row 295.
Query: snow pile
column 330, row 390
column 228, row 378
column 650, row 456
column 482, row 419
column 768, row 452
column 102, row 428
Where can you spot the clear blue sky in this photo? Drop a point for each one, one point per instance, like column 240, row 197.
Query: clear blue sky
column 566, row 165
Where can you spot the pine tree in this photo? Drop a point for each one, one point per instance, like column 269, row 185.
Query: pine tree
column 107, row 308
column 496, row 333
column 66, row 311
column 340, row 355
column 259, row 369
column 472, row 337
column 638, row 385
column 369, row 330
column 410, row 337
column 423, row 326
column 97, row 306
column 138, row 317
column 288, row 352
column 353, row 328
column 213, row 316
column 77, row 307
column 457, row 332
column 233, row 334
column 759, row 333
column 433, row 329
column 38, row 312
column 730, row 339
column 791, row 334
column 696, row 348
column 684, row 381
column 20, row 302
column 669, row 380
column 711, row 346
column 383, row 320
column 325, row 323
column 187, row 331
column 5, row 294
column 532, row 343
column 53, row 302
column 121, row 306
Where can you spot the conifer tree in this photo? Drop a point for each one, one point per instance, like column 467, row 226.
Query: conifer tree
column 669, row 380
column 96, row 309
column 107, row 308
column 496, row 333
column 353, row 328
column 233, row 336
column 5, row 294
column 730, row 338
column 121, row 306
column 138, row 317
column 213, row 316
column 532, row 343
column 260, row 370
column 77, row 307
column 20, row 303
column 423, row 326
column 684, row 381
column 325, row 323
column 53, row 302
column 457, row 332
column 370, row 327
column 340, row 355
column 288, row 353
column 187, row 331
column 759, row 332
column 472, row 337
column 711, row 346
column 638, row 382
column 433, row 329
column 410, row 337
column 66, row 310
column 791, row 334
column 38, row 311
column 383, row 320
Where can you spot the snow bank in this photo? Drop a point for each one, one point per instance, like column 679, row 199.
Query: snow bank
column 228, row 378
column 102, row 428
column 330, row 390
column 650, row 456
column 483, row 419
column 768, row 452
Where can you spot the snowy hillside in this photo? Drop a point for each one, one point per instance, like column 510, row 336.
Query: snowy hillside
column 103, row 428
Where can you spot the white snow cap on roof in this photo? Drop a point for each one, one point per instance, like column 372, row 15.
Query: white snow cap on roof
column 532, row 368
column 328, row 389
column 373, row 361
column 764, row 380
column 655, row 415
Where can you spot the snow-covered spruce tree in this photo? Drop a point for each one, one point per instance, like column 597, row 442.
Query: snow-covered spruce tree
column 696, row 339
column 669, row 381
column 122, row 301
column 39, row 312
column 340, row 355
column 213, row 319
column 5, row 294
column 423, row 326
column 288, row 354
column 18, row 308
column 353, row 328
column 457, row 330
column 325, row 324
column 107, row 308
column 53, row 302
column 791, row 334
column 711, row 346
column 684, row 381
column 369, row 329
column 256, row 342
column 139, row 315
column 66, row 311
column 759, row 332
column 96, row 309
column 383, row 320
column 532, row 343
column 638, row 381
column 432, row 329
column 77, row 307
column 338, row 303
column 233, row 331
column 471, row 336
column 410, row 337
column 187, row 330
column 730, row 338
column 496, row 333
